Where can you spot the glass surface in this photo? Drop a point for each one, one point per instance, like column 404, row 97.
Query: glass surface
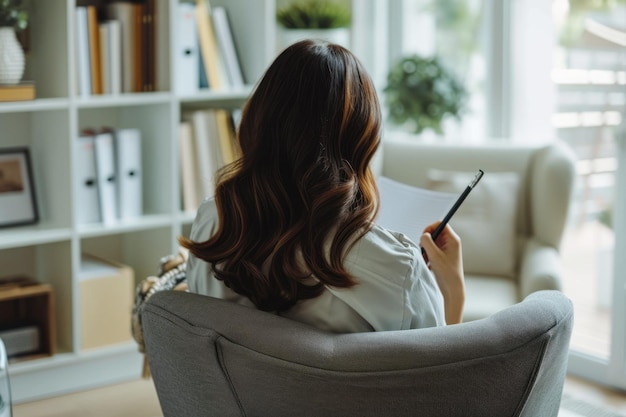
column 5, row 390
column 454, row 31
column 539, row 70
column 589, row 73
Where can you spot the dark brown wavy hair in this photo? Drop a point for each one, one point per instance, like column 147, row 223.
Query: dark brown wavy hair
column 302, row 192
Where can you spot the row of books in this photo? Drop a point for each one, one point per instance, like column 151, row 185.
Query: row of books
column 205, row 52
column 108, row 176
column 207, row 142
column 116, row 47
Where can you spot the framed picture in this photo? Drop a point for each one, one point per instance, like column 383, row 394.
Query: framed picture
column 18, row 205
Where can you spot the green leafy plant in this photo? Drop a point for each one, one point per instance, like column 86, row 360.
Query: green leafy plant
column 13, row 14
column 606, row 217
column 421, row 92
column 314, row 14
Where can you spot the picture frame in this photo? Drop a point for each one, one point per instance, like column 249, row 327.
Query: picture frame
column 18, row 203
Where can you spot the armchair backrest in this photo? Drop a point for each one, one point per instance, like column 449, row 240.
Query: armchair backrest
column 546, row 174
column 526, row 195
column 210, row 357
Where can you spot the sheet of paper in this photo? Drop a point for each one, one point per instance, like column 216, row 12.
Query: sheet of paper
column 408, row 209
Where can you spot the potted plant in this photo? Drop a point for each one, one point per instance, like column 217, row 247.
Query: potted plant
column 421, row 93
column 13, row 17
column 605, row 217
column 314, row 19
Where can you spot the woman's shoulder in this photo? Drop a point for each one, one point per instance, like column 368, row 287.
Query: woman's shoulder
column 388, row 242
column 205, row 221
column 395, row 290
column 207, row 207
column 385, row 253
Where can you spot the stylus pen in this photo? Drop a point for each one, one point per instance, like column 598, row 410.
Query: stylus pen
column 456, row 206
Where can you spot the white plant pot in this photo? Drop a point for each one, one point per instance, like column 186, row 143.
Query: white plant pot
column 339, row 36
column 11, row 57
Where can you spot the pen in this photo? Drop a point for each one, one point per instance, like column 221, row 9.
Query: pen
column 456, row 206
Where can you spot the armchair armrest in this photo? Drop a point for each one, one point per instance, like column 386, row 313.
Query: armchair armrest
column 540, row 268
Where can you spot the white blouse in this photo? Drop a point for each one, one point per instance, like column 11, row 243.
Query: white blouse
column 395, row 290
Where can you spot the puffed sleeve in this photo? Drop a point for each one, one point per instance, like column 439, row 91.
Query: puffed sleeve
column 423, row 304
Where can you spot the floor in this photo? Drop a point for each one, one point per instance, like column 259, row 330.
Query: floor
column 138, row 399
column 131, row 399
column 609, row 399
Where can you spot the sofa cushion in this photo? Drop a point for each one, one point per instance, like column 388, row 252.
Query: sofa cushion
column 486, row 221
column 485, row 296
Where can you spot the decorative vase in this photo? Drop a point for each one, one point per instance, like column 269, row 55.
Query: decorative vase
column 11, row 57
column 339, row 36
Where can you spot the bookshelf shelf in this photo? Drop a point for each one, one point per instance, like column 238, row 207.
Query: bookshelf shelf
column 208, row 95
column 121, row 100
column 41, row 104
column 50, row 127
column 33, row 235
column 146, row 222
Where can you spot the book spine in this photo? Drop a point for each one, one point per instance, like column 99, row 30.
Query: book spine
column 82, row 52
column 115, row 55
column 208, row 44
column 138, row 44
column 188, row 168
column 205, row 150
column 105, row 58
column 225, row 135
column 123, row 12
column 152, row 49
column 227, row 47
column 17, row 92
column 94, row 50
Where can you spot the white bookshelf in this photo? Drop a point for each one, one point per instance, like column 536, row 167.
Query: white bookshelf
column 50, row 250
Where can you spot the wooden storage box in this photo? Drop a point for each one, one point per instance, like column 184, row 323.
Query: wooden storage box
column 106, row 300
column 25, row 302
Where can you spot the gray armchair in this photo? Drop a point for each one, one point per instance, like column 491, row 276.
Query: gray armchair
column 511, row 224
column 210, row 357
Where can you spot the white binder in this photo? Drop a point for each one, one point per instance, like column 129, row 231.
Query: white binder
column 86, row 186
column 128, row 162
column 107, row 183
column 186, row 52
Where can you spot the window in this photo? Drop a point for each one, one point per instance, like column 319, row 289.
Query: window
column 589, row 74
column 540, row 71
column 454, row 31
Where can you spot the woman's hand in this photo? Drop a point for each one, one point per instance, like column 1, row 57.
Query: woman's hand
column 445, row 261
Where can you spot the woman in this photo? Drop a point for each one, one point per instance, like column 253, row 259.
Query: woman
column 291, row 228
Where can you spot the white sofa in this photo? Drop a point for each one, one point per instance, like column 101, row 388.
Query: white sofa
column 511, row 224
